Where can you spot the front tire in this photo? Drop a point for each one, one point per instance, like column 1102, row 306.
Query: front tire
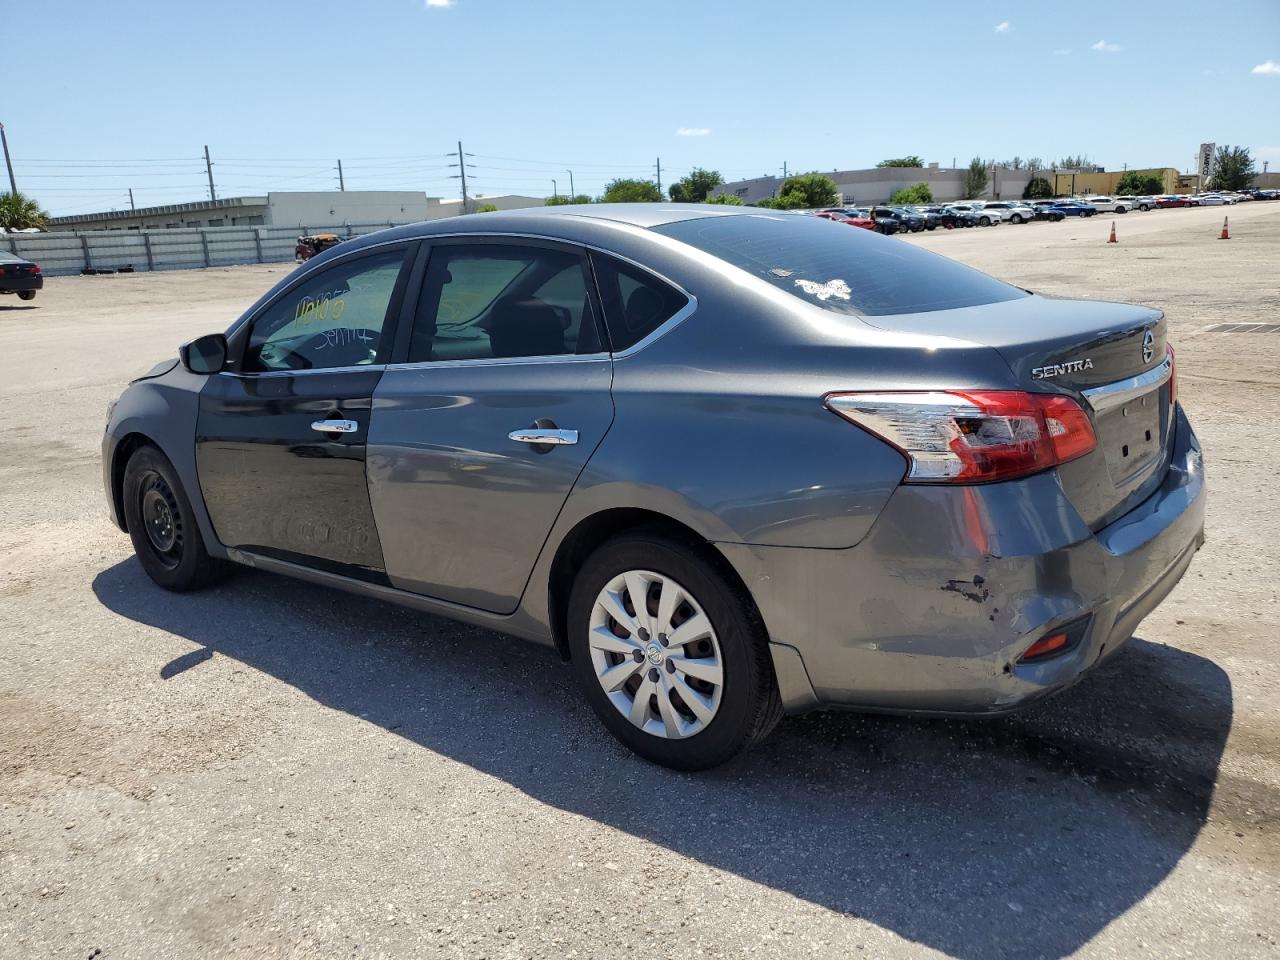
column 671, row 655
column 1016, row 218
column 984, row 221
column 162, row 525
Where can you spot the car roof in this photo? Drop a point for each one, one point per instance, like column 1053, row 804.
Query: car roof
column 636, row 214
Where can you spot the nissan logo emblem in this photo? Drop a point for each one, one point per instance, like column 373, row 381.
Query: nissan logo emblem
column 1148, row 347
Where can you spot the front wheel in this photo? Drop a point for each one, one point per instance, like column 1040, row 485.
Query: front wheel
column 1121, row 210
column 984, row 221
column 26, row 294
column 671, row 655
column 162, row 525
column 1016, row 218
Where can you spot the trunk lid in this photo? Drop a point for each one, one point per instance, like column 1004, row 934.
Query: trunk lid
column 1109, row 356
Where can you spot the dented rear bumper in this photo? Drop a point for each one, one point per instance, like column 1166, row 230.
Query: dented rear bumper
column 931, row 611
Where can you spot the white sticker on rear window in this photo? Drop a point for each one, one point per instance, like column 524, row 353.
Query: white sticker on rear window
column 825, row 291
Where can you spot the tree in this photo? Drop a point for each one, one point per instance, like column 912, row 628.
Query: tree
column 1232, row 169
column 486, row 208
column 728, row 199
column 19, row 212
column 623, row 190
column 1079, row 161
column 695, row 187
column 802, row 192
column 1017, row 163
column 560, row 200
column 911, row 161
column 1136, row 184
column 917, row 193
column 976, row 178
column 1037, row 189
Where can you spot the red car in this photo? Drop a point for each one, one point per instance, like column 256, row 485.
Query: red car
column 1171, row 201
column 843, row 216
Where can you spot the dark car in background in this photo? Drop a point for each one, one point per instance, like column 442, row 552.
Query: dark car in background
column 19, row 276
column 1070, row 208
column 948, row 217
column 728, row 464
column 910, row 220
column 882, row 217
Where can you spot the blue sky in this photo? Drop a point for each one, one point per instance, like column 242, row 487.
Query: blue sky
column 104, row 96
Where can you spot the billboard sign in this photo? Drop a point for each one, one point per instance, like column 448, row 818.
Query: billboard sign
column 1206, row 162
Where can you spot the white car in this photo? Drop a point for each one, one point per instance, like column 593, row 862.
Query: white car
column 1137, row 203
column 1109, row 204
column 986, row 218
column 1213, row 200
column 1014, row 212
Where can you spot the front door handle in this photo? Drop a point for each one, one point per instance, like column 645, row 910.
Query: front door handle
column 335, row 426
column 541, row 435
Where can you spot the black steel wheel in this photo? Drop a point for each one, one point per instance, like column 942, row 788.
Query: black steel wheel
column 162, row 524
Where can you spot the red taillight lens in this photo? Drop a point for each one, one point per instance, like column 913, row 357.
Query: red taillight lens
column 1173, row 374
column 967, row 436
column 1054, row 643
column 35, row 268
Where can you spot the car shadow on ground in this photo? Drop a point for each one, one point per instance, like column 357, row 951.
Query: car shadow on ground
column 1017, row 837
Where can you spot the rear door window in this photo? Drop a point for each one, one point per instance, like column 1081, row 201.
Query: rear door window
column 485, row 301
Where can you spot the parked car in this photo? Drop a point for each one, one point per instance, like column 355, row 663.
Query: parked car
column 310, row 246
column 983, row 218
column 1076, row 208
column 846, row 217
column 1136, row 203
column 1014, row 212
column 960, row 218
column 884, row 222
column 1171, row 200
column 19, row 276
column 908, row 219
column 1108, row 204
column 1213, row 200
column 932, row 216
column 943, row 216
column 1047, row 210
column 449, row 416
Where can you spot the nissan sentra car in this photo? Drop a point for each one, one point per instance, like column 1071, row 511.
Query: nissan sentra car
column 729, row 463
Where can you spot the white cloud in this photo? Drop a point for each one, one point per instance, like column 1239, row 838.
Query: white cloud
column 439, row 3
column 1267, row 68
column 1003, row 27
column 1103, row 47
column 693, row 132
column 1062, row 52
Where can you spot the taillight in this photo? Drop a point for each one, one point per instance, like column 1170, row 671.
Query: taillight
column 1173, row 374
column 972, row 436
column 35, row 268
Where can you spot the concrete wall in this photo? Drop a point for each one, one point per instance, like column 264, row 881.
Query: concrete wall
column 70, row 252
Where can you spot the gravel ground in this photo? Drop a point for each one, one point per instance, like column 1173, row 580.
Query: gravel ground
column 267, row 769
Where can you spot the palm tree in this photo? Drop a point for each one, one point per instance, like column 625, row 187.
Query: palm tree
column 21, row 213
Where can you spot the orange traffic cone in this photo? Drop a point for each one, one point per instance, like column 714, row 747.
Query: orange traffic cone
column 1224, row 235
column 1113, row 233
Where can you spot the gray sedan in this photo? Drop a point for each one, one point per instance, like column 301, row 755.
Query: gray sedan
column 728, row 463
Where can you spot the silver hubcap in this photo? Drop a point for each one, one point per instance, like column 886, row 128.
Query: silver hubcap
column 656, row 655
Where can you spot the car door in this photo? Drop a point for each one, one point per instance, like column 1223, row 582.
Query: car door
column 282, row 432
column 478, row 437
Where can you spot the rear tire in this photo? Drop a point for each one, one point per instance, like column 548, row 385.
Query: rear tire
column 26, row 294
column 634, row 680
column 162, row 525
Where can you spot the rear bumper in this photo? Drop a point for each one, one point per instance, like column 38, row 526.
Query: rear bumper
column 14, row 284
column 930, row 612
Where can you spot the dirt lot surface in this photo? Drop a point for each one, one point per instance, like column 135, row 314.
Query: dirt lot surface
column 269, row 769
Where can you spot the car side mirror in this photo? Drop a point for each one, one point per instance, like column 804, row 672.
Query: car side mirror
column 207, row 354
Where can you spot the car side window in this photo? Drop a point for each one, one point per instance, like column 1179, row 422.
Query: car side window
column 492, row 301
column 334, row 319
column 635, row 302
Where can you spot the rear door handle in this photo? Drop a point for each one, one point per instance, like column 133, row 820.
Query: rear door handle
column 541, row 435
column 335, row 426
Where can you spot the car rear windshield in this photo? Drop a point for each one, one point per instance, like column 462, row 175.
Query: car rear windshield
column 839, row 267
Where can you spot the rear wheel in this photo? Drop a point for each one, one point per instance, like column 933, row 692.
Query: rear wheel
column 671, row 655
column 162, row 525
column 984, row 221
column 1122, row 210
column 26, row 294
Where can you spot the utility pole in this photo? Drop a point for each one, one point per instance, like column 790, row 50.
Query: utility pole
column 462, row 172
column 13, row 187
column 208, row 167
column 659, row 174
column 555, row 191
column 132, row 205
column 572, row 193
column 784, row 169
column 342, row 184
